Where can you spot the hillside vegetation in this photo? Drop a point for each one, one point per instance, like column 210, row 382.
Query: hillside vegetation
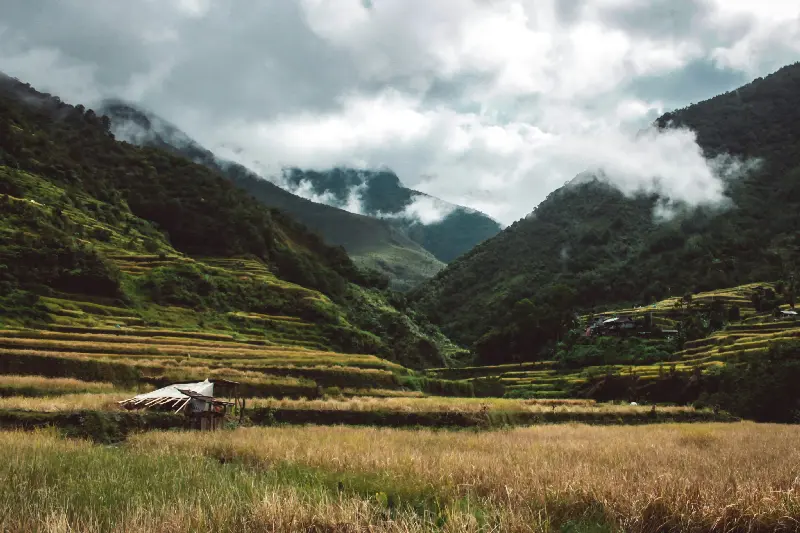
column 100, row 234
column 371, row 243
column 453, row 231
column 588, row 247
column 731, row 348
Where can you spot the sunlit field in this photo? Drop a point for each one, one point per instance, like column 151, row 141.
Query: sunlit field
column 66, row 402
column 576, row 478
column 11, row 385
column 462, row 405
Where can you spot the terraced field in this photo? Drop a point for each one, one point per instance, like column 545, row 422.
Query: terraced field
column 157, row 355
column 753, row 334
column 667, row 313
column 738, row 339
column 524, row 380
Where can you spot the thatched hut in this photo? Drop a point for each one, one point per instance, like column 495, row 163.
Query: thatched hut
column 195, row 400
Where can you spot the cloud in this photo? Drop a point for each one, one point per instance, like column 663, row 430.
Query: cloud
column 421, row 209
column 424, row 210
column 351, row 203
column 488, row 104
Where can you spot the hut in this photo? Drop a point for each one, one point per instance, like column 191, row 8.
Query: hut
column 788, row 314
column 195, row 400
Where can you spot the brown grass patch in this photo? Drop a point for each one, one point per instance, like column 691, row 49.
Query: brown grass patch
column 658, row 478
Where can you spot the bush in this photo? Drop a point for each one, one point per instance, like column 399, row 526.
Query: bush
column 191, row 285
column 438, row 387
column 763, row 387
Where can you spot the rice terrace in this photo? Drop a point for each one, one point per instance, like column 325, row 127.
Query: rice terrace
column 188, row 344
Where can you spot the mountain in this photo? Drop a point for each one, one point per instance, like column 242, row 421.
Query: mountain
column 147, row 234
column 370, row 242
column 588, row 247
column 446, row 230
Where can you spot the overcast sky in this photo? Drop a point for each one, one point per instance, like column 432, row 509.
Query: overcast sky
column 486, row 103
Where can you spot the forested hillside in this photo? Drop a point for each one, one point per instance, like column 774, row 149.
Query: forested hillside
column 370, row 242
column 87, row 217
column 588, row 247
column 453, row 230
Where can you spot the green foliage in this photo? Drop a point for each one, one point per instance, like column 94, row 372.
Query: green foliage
column 19, row 303
column 532, row 328
column 201, row 213
column 438, row 387
column 400, row 334
column 100, row 426
column 191, row 285
column 79, row 209
column 762, row 387
column 51, row 262
column 611, row 249
column 373, row 242
column 612, row 351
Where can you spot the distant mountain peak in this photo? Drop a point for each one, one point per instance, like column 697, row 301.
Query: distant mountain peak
column 136, row 125
column 445, row 229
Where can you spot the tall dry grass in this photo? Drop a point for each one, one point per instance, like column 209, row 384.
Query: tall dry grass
column 66, row 402
column 276, row 358
column 41, row 386
column 711, row 477
column 223, row 350
column 439, row 404
column 59, row 486
column 671, row 478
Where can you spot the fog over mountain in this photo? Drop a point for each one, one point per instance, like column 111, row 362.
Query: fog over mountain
column 490, row 105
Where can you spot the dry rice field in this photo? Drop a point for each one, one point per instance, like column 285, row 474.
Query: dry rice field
column 438, row 404
column 566, row 478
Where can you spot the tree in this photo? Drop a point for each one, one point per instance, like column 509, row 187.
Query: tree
column 687, row 299
column 763, row 387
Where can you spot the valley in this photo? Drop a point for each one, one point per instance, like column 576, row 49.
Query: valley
column 642, row 380
column 381, row 236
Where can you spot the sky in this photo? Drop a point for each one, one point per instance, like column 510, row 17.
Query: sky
column 491, row 104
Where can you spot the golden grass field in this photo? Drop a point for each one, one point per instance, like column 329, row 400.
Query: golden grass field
column 564, row 478
column 106, row 400
column 66, row 402
column 12, row 385
column 438, row 404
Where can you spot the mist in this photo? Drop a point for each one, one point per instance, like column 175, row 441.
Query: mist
column 488, row 105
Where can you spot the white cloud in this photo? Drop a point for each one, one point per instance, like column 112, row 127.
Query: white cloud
column 489, row 104
column 428, row 210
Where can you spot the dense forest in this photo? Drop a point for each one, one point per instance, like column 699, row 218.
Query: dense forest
column 107, row 197
column 370, row 242
column 589, row 247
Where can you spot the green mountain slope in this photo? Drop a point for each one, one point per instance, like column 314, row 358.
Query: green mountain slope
column 370, row 242
column 588, row 246
column 87, row 218
column 452, row 231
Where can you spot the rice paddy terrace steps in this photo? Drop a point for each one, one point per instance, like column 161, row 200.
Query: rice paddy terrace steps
column 739, row 339
column 754, row 333
column 526, row 380
column 155, row 355
column 240, row 267
column 667, row 312
column 68, row 310
column 136, row 265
